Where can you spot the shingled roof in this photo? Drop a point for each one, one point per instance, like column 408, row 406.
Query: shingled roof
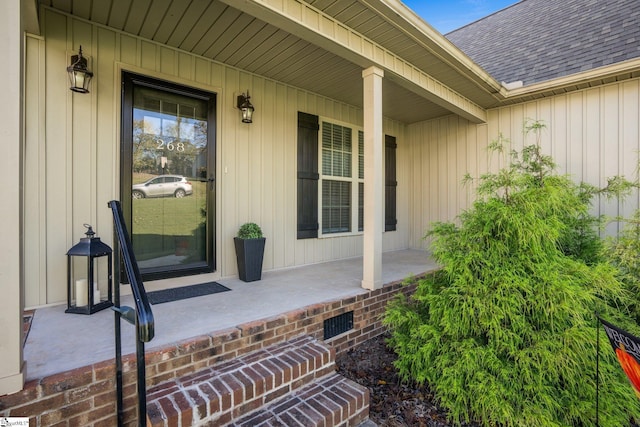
column 538, row 40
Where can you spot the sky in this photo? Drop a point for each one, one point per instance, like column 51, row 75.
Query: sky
column 448, row 15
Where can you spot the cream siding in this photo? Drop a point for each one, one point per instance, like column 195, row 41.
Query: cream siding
column 592, row 134
column 35, row 183
column 73, row 161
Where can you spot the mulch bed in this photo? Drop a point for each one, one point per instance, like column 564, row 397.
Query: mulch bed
column 392, row 402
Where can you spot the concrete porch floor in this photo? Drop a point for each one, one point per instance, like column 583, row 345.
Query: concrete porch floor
column 58, row 341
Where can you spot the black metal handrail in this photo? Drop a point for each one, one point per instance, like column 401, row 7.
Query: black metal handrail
column 141, row 316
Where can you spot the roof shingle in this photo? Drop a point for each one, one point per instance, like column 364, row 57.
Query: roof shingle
column 538, row 40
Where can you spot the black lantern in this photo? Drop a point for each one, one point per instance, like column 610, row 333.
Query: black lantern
column 79, row 75
column 246, row 107
column 89, row 275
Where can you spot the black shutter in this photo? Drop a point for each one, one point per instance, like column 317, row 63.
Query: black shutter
column 307, row 176
column 390, row 183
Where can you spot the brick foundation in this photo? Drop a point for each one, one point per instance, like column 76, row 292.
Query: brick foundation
column 86, row 396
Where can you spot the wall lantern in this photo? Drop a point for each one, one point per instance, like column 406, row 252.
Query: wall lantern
column 89, row 275
column 79, row 75
column 246, row 107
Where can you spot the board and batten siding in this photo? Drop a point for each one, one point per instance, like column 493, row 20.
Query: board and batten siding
column 72, row 152
column 592, row 134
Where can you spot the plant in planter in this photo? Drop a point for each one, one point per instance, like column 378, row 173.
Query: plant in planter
column 249, row 245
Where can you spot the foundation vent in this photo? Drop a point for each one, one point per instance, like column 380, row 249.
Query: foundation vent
column 337, row 325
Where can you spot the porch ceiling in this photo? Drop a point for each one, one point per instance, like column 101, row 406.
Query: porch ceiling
column 216, row 30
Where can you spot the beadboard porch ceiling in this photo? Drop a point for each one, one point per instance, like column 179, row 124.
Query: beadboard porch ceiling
column 215, row 29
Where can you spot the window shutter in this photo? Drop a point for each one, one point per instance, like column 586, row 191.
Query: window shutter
column 391, row 185
column 360, row 184
column 308, row 176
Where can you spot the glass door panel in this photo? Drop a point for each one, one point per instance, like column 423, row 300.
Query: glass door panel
column 170, row 191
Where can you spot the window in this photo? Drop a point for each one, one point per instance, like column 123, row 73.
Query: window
column 337, row 179
column 336, row 150
column 331, row 178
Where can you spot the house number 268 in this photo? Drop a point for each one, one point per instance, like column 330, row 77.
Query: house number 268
column 179, row 146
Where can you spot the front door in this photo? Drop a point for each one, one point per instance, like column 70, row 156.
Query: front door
column 167, row 176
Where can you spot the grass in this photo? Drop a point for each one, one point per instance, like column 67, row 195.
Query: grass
column 168, row 216
column 161, row 225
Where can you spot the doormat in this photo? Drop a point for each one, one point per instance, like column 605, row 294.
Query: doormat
column 175, row 294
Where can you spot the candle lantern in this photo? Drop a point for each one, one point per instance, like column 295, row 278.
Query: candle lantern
column 89, row 275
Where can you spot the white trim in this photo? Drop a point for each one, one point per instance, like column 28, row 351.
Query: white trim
column 302, row 19
column 12, row 262
column 373, row 164
column 220, row 254
column 354, row 179
column 571, row 81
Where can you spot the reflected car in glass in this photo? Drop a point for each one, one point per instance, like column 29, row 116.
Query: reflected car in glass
column 163, row 186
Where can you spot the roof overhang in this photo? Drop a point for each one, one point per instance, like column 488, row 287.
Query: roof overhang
column 596, row 77
column 322, row 46
column 421, row 33
column 322, row 51
column 322, row 30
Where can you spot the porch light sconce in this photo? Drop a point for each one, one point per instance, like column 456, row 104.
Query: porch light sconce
column 246, row 107
column 79, row 75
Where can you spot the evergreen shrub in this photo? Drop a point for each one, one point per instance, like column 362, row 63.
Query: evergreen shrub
column 505, row 333
column 624, row 253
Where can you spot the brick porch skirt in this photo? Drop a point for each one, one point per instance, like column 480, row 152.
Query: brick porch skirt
column 86, row 396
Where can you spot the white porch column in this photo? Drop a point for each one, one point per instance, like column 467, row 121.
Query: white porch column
column 11, row 42
column 373, row 187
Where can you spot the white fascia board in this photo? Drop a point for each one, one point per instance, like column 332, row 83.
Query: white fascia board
column 597, row 74
column 314, row 26
column 423, row 34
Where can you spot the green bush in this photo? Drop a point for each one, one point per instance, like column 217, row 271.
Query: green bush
column 624, row 253
column 249, row 230
column 505, row 334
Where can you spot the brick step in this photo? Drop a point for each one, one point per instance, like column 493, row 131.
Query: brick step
column 224, row 393
column 331, row 401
